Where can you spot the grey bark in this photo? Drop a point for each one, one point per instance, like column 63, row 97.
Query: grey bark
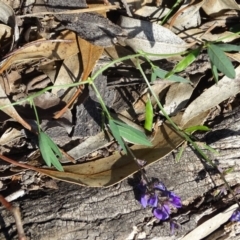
column 74, row 212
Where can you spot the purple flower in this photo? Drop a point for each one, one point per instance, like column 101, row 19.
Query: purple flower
column 174, row 199
column 162, row 212
column 147, row 199
column 235, row 216
column 159, row 198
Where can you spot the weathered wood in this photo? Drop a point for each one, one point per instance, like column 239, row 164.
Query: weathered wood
column 74, row 212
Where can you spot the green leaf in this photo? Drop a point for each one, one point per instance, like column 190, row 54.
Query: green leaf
column 153, row 76
column 221, row 61
column 162, row 73
column 214, row 72
column 44, row 148
column 132, row 134
column 229, row 47
column 115, row 132
column 49, row 150
column 56, row 163
column 53, row 146
column 135, row 137
column 148, row 115
column 196, row 128
column 185, row 62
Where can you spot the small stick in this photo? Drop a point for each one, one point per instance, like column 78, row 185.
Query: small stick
column 94, row 9
column 17, row 216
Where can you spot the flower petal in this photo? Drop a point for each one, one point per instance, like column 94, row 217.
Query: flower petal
column 144, row 200
column 235, row 216
column 162, row 213
column 175, row 200
column 153, row 201
column 160, row 186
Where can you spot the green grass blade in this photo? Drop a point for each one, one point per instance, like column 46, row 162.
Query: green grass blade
column 221, row 61
column 148, row 116
column 115, row 132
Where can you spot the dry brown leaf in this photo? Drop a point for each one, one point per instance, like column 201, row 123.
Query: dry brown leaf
column 150, row 37
column 7, row 16
column 10, row 135
column 177, row 97
column 152, row 11
column 187, row 17
column 89, row 55
column 70, row 72
column 60, row 48
column 5, row 32
column 10, row 110
column 214, row 7
column 195, row 112
column 9, row 82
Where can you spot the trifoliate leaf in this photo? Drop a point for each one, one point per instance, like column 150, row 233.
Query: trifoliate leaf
column 50, row 151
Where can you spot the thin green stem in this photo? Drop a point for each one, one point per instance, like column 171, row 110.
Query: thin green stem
column 170, row 11
column 140, row 54
column 32, row 96
column 98, row 95
column 36, row 114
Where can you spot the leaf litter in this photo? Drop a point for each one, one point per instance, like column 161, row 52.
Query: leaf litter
column 65, row 49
